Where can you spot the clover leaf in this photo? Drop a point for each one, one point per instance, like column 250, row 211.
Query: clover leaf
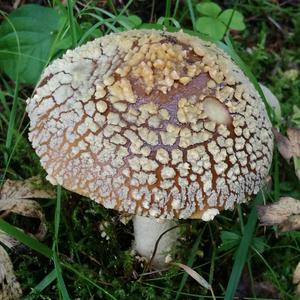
column 214, row 22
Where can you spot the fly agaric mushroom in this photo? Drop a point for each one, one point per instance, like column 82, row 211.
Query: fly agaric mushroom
column 160, row 125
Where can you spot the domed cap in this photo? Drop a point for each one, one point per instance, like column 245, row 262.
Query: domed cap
column 151, row 123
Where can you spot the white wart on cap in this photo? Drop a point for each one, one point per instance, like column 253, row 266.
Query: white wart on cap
column 151, row 123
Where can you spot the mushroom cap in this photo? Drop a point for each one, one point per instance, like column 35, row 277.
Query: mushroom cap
column 151, row 123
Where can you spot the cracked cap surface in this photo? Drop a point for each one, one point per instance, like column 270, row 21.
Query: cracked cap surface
column 151, row 123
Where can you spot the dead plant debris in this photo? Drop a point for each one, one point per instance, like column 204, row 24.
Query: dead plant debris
column 285, row 213
column 15, row 197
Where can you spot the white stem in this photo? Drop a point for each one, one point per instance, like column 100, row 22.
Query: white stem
column 146, row 233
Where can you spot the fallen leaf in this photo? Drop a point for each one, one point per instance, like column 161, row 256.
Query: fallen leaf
column 298, row 173
column 263, row 289
column 197, row 277
column 25, row 189
column 283, row 144
column 296, row 279
column 278, row 212
column 292, row 223
column 289, row 146
column 285, row 213
column 16, row 196
column 7, row 240
column 9, row 286
column 294, row 138
column 194, row 275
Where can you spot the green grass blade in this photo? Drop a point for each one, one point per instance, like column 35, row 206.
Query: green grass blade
column 10, row 157
column 12, row 117
column 89, row 32
column 112, row 6
column 241, row 255
column 190, row 263
column 175, row 8
column 275, row 277
column 107, row 22
column 192, row 13
column 100, row 11
column 168, row 12
column 120, row 14
column 47, row 280
column 72, row 22
column 60, row 280
column 57, row 214
column 4, row 103
column 25, row 239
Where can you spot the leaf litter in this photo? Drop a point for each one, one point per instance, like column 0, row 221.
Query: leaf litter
column 197, row 277
column 286, row 212
column 16, row 197
column 289, row 147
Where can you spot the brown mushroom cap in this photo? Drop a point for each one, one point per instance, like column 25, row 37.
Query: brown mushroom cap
column 151, row 123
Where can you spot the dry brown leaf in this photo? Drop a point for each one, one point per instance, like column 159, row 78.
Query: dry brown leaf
column 278, row 212
column 9, row 286
column 196, row 276
column 285, row 213
column 263, row 289
column 26, row 189
column 292, row 223
column 298, row 173
column 283, row 144
column 7, row 240
column 288, row 146
column 294, row 138
column 15, row 197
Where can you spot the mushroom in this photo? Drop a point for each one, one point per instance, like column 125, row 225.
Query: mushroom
column 160, row 125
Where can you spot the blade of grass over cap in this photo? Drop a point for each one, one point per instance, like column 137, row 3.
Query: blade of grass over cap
column 241, row 254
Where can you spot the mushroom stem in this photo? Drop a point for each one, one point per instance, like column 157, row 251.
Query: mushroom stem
column 147, row 231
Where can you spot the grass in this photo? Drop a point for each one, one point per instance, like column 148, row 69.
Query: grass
column 243, row 250
column 74, row 261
